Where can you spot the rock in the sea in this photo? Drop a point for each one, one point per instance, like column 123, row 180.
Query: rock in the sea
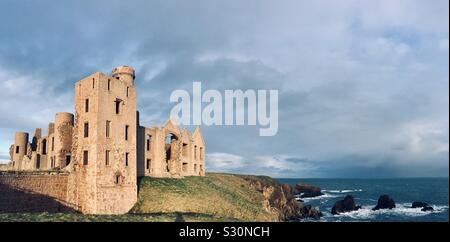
column 308, row 211
column 419, row 205
column 307, row 190
column 345, row 205
column 384, row 202
column 427, row 208
column 422, row 205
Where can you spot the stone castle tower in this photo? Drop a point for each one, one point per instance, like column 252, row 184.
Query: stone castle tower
column 102, row 149
column 105, row 141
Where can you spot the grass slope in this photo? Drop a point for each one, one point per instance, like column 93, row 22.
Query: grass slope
column 222, row 196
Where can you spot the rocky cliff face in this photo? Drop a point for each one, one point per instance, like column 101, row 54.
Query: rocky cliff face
column 279, row 198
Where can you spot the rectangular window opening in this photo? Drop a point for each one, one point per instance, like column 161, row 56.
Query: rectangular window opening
column 195, row 152
column 117, row 106
column 108, row 124
column 148, row 164
column 86, row 105
column 85, row 157
column 107, row 158
column 86, row 130
column 149, row 139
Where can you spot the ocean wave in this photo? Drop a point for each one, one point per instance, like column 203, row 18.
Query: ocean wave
column 403, row 209
column 327, row 194
column 324, row 196
column 343, row 191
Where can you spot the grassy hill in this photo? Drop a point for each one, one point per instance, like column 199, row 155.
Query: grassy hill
column 215, row 197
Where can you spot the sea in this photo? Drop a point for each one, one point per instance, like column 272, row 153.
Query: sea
column 365, row 192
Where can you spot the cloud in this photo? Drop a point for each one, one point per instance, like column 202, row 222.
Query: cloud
column 443, row 44
column 224, row 161
column 363, row 85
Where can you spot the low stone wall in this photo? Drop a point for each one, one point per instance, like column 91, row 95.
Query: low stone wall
column 34, row 192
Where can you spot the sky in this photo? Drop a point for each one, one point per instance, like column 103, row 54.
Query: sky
column 363, row 85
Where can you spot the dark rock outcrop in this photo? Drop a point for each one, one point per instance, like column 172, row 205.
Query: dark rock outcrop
column 427, row 208
column 345, row 205
column 308, row 211
column 306, row 190
column 384, row 202
column 422, row 205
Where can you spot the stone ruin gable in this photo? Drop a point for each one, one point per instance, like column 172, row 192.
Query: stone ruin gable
column 181, row 160
column 199, row 154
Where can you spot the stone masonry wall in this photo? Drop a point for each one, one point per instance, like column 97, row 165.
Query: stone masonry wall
column 34, row 192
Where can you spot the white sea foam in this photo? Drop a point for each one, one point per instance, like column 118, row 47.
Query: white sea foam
column 324, row 196
column 404, row 209
column 327, row 194
column 343, row 191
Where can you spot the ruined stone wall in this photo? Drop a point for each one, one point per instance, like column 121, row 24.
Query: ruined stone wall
column 187, row 152
column 31, row 192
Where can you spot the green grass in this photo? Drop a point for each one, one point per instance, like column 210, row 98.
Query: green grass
column 76, row 217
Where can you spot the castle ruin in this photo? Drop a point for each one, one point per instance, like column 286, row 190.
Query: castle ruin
column 102, row 149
